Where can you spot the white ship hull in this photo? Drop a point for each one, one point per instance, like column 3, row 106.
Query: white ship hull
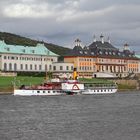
column 68, row 87
column 23, row 92
column 100, row 91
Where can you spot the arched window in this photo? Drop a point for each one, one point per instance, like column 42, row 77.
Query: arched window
column 46, row 67
column 26, row 66
column 31, row 67
column 40, row 67
column 50, row 67
column 5, row 67
column 21, row 66
column 10, row 66
column 35, row 67
column 15, row 67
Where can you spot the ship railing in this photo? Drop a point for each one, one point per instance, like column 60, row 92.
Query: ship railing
column 102, row 86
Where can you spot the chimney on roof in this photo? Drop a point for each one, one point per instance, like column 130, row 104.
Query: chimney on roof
column 94, row 38
column 77, row 42
column 108, row 39
column 126, row 47
column 102, row 39
column 2, row 41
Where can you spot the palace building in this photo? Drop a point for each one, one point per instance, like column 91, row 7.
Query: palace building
column 16, row 58
column 102, row 57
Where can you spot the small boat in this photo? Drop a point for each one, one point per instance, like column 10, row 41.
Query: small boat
column 101, row 89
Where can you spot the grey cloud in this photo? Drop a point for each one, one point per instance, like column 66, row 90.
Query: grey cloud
column 70, row 19
column 95, row 5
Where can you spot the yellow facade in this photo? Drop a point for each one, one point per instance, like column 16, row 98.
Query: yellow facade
column 101, row 56
column 86, row 66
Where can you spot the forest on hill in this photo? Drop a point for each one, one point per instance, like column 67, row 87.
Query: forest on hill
column 14, row 39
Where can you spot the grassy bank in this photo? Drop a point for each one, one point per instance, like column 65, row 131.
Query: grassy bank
column 7, row 83
column 126, row 87
column 94, row 80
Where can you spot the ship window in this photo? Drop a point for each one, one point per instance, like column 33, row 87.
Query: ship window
column 43, row 91
column 38, row 91
column 48, row 91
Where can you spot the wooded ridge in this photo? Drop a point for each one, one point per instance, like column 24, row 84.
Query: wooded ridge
column 14, row 39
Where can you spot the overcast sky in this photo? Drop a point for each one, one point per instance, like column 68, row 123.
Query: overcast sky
column 62, row 21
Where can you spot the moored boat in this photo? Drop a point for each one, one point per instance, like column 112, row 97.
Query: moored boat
column 54, row 87
column 58, row 86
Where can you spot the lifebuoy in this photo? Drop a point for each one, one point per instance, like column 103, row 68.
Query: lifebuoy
column 75, row 87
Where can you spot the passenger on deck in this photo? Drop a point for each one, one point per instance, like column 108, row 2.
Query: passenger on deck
column 22, row 87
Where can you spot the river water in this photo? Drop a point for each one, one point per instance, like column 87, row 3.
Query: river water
column 73, row 117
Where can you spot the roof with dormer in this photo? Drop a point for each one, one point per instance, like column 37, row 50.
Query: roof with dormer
column 39, row 49
column 101, row 49
column 100, row 45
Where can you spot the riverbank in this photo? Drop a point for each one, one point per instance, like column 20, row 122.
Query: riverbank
column 6, row 93
column 7, row 83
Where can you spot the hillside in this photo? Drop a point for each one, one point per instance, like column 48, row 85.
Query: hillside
column 19, row 40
